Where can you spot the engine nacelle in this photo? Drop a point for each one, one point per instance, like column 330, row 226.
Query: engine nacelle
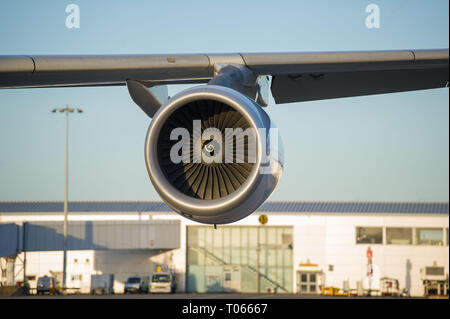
column 213, row 154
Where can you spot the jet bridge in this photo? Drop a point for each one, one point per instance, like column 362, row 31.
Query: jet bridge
column 89, row 235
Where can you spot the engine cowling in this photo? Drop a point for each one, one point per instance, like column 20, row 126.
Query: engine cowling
column 213, row 155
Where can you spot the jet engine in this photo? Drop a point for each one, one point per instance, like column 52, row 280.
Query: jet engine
column 213, row 154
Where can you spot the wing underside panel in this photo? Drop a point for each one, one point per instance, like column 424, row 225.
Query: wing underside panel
column 320, row 86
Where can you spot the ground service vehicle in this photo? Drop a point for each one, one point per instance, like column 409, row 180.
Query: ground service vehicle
column 389, row 287
column 333, row 291
column 435, row 281
column 163, row 282
column 48, row 285
column 102, row 284
column 137, row 284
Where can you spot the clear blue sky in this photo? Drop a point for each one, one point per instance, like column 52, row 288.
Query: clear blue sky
column 380, row 148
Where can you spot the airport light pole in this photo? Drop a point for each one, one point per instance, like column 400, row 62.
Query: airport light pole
column 66, row 110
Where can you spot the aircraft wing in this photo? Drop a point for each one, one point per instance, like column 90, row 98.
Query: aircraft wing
column 295, row 76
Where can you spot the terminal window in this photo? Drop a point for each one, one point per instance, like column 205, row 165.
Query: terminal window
column 399, row 236
column 369, row 235
column 430, row 236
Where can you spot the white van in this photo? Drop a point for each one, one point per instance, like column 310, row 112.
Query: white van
column 163, row 282
column 137, row 284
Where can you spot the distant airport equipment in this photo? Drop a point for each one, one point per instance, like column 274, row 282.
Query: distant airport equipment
column 435, row 281
column 333, row 291
column 102, row 284
column 389, row 287
column 137, row 284
column 163, row 282
column 48, row 285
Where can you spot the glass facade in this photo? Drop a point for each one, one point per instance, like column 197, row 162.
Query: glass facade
column 239, row 258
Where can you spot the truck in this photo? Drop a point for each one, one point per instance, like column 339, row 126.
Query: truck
column 163, row 282
column 102, row 284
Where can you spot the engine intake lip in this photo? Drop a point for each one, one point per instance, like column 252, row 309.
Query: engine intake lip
column 176, row 199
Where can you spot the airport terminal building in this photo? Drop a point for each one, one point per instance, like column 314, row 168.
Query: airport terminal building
column 284, row 247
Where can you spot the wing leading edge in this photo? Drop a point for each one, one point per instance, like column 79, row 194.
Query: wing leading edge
column 296, row 76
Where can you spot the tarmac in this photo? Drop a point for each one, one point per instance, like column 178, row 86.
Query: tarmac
column 190, row 296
